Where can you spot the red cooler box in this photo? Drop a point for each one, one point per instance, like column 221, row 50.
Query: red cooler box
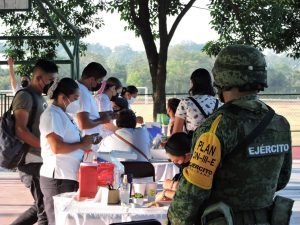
column 105, row 173
column 88, row 180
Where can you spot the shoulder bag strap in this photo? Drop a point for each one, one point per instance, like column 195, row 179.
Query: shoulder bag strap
column 32, row 115
column 256, row 131
column 198, row 106
column 33, row 108
column 216, row 105
column 133, row 146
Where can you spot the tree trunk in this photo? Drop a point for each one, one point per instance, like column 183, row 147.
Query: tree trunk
column 157, row 61
column 159, row 88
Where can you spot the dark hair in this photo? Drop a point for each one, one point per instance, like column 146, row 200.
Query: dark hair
column 121, row 102
column 201, row 83
column 95, row 70
column 126, row 119
column 173, row 104
column 178, row 144
column 46, row 65
column 131, row 89
column 113, row 81
column 66, row 86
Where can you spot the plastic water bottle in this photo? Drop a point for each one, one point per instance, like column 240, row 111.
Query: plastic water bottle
column 117, row 177
column 124, row 191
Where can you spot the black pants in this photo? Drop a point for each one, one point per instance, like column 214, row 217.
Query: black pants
column 29, row 175
column 51, row 187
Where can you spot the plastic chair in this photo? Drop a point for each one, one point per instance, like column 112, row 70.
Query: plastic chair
column 140, row 222
column 139, row 169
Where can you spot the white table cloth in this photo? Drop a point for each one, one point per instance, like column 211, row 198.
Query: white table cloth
column 71, row 212
column 164, row 170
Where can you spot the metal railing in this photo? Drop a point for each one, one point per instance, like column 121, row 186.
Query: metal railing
column 287, row 105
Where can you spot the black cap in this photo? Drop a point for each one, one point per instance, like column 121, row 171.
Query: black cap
column 178, row 144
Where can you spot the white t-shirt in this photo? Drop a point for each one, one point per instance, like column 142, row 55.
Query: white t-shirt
column 88, row 104
column 18, row 87
column 103, row 105
column 59, row 166
column 139, row 137
column 188, row 111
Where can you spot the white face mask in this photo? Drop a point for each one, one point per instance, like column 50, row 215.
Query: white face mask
column 73, row 107
column 131, row 101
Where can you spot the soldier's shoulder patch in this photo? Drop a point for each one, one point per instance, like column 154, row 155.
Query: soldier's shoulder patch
column 266, row 150
column 205, row 159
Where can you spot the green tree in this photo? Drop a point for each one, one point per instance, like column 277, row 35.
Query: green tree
column 295, row 80
column 183, row 60
column 118, row 60
column 270, row 24
column 148, row 19
column 277, row 80
column 82, row 14
column 138, row 71
column 4, row 79
column 99, row 49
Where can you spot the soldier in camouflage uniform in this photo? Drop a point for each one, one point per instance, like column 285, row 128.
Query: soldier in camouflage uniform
column 245, row 178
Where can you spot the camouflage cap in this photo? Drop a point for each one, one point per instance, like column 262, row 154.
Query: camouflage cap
column 238, row 65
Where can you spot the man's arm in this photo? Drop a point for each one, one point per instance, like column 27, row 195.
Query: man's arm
column 84, row 122
column 185, row 207
column 285, row 172
column 22, row 132
column 58, row 146
column 178, row 125
column 196, row 183
column 110, row 126
column 11, row 73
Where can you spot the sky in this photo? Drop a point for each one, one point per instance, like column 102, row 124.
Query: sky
column 194, row 27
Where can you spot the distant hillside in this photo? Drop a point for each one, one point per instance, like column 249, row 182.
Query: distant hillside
column 131, row 67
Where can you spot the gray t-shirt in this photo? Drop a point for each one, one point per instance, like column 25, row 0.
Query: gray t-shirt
column 23, row 100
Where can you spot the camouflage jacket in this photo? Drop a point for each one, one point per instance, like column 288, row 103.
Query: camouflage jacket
column 246, row 179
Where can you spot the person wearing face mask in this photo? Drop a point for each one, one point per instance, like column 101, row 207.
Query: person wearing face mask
column 61, row 144
column 232, row 178
column 88, row 117
column 130, row 93
column 25, row 106
column 111, row 91
column 178, row 149
column 119, row 104
column 25, row 79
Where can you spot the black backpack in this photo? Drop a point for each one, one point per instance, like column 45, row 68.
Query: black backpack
column 12, row 149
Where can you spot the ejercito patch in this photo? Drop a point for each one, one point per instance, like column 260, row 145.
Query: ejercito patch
column 205, row 159
column 263, row 150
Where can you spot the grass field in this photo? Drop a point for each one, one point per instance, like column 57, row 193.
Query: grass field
column 288, row 108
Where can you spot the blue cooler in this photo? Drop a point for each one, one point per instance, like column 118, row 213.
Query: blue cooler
column 154, row 131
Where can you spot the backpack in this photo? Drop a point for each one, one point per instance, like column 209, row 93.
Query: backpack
column 12, row 149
